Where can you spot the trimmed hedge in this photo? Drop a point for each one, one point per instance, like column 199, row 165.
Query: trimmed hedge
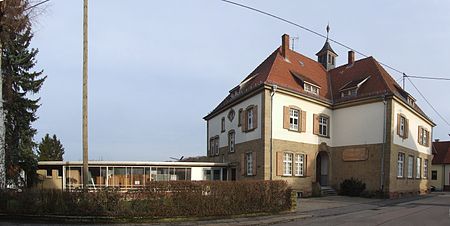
column 158, row 199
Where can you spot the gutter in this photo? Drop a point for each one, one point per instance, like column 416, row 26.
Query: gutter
column 272, row 93
column 384, row 144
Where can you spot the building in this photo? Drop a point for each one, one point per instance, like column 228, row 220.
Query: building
column 314, row 124
column 440, row 166
column 124, row 174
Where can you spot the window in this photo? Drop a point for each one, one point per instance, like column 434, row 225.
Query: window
column 400, row 162
column 211, row 147
column 231, row 136
column 214, row 146
column 433, row 175
column 49, row 172
column 299, row 165
column 311, row 88
column 287, row 164
column 249, row 161
column 424, row 136
column 425, row 168
column 419, row 167
column 350, row 92
column 222, row 125
column 402, row 126
column 250, row 119
column 410, row 166
column 323, row 126
column 293, row 120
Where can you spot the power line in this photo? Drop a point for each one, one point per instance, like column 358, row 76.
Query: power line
column 434, row 109
column 425, row 77
column 309, row 30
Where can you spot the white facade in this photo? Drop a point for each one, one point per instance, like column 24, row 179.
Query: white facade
column 215, row 126
column 361, row 124
column 279, row 101
column 414, row 122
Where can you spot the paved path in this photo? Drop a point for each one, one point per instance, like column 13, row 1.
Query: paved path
column 433, row 210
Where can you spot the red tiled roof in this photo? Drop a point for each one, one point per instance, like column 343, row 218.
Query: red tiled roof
column 292, row 71
column 442, row 152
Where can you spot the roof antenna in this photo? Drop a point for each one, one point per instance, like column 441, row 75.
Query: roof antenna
column 328, row 29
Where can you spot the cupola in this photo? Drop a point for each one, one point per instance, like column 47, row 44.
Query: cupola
column 326, row 56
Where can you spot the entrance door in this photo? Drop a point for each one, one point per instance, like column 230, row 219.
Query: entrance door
column 322, row 165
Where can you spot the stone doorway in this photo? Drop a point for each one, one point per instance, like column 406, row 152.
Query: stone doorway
column 322, row 168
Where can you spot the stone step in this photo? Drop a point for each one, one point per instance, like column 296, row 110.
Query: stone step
column 327, row 191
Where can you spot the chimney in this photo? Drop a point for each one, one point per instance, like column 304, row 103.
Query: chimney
column 351, row 57
column 284, row 45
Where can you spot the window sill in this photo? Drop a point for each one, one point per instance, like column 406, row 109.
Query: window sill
column 250, row 130
column 402, row 178
column 324, row 136
column 293, row 130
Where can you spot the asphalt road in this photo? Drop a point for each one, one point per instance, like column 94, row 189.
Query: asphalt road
column 433, row 211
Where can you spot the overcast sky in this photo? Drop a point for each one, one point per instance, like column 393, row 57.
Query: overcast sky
column 156, row 68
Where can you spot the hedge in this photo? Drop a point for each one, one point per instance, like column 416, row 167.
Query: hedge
column 156, row 200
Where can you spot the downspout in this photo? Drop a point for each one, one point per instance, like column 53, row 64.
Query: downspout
column 272, row 93
column 384, row 144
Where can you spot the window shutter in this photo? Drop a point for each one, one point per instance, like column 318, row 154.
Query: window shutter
column 244, row 121
column 419, row 134
column 286, row 117
column 406, row 128
column 428, row 139
column 398, row 124
column 303, row 122
column 279, row 163
column 316, row 124
column 254, row 163
column 243, row 166
column 240, row 118
column 255, row 116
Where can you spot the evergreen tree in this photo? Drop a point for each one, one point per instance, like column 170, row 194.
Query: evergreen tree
column 50, row 149
column 20, row 83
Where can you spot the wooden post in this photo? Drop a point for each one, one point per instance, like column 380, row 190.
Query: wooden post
column 85, row 94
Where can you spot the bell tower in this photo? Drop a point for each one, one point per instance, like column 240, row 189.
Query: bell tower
column 326, row 56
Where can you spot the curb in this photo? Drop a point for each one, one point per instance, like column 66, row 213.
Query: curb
column 262, row 219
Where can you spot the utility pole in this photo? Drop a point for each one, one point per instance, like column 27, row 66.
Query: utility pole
column 2, row 115
column 85, row 94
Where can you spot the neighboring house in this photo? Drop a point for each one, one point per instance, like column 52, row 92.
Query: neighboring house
column 314, row 124
column 440, row 166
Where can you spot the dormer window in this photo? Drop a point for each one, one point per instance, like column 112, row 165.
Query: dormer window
column 351, row 88
column 310, row 88
column 349, row 93
column 410, row 100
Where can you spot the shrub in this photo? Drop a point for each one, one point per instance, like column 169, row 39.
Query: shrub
column 157, row 199
column 352, row 187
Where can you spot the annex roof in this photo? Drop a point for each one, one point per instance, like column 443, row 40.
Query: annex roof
column 442, row 152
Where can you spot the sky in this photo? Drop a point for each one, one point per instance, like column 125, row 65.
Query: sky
column 156, row 68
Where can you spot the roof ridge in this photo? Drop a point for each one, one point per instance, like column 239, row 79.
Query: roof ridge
column 278, row 50
column 381, row 71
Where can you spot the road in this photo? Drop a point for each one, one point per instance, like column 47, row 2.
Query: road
column 429, row 211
